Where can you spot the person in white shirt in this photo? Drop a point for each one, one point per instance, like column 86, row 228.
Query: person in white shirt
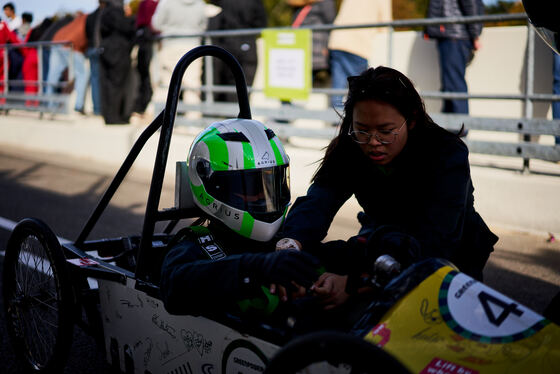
column 13, row 21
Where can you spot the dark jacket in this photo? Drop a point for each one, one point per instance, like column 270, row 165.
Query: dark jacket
column 117, row 36
column 93, row 28
column 239, row 14
column 322, row 13
column 48, row 34
column 192, row 283
column 455, row 8
column 427, row 192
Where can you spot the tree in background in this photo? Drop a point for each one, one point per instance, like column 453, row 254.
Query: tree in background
column 279, row 13
column 501, row 7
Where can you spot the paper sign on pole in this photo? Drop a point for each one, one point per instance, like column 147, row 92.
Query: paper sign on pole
column 287, row 63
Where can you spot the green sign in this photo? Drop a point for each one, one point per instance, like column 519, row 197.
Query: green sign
column 287, row 63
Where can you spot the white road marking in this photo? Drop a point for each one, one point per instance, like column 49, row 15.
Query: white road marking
column 7, row 224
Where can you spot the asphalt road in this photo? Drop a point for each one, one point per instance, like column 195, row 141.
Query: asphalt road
column 63, row 192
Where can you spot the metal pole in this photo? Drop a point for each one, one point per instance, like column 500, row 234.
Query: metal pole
column 209, row 75
column 390, row 47
column 40, row 69
column 529, row 85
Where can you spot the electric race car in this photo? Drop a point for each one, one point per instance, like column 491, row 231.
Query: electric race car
column 428, row 318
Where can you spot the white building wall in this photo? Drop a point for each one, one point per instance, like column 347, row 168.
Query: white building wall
column 499, row 67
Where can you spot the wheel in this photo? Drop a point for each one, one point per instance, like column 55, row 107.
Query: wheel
column 552, row 311
column 38, row 297
column 344, row 353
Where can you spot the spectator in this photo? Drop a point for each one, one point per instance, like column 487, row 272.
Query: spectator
column 74, row 32
column 30, row 63
column 556, row 89
column 26, row 20
column 6, row 37
column 117, row 34
column 93, row 34
column 14, row 21
column 145, row 38
column 456, row 44
column 236, row 14
column 47, row 36
column 180, row 17
column 310, row 13
column 350, row 49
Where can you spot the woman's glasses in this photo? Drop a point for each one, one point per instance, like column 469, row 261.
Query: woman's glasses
column 384, row 137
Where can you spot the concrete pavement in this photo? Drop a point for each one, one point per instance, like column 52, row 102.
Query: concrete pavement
column 504, row 196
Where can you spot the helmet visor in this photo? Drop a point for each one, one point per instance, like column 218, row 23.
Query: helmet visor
column 264, row 193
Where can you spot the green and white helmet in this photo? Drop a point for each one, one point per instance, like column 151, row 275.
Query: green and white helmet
column 239, row 174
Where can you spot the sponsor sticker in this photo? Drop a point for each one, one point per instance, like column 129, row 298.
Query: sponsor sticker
column 440, row 366
column 242, row 356
column 82, row 262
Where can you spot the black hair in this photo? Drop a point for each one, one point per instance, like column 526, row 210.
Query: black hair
column 9, row 6
column 27, row 17
column 382, row 84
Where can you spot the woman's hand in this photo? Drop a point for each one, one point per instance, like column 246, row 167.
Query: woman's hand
column 331, row 289
column 283, row 295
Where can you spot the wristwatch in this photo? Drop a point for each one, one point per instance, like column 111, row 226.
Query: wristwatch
column 287, row 243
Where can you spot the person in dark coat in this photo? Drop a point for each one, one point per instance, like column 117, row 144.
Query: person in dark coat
column 93, row 34
column 117, row 36
column 404, row 170
column 145, row 34
column 237, row 14
column 311, row 13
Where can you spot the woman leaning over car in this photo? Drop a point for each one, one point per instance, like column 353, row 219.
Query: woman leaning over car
column 404, row 170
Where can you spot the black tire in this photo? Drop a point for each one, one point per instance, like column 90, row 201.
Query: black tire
column 38, row 298
column 552, row 311
column 336, row 348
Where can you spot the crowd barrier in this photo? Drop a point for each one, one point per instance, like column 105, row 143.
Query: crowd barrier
column 23, row 83
column 526, row 128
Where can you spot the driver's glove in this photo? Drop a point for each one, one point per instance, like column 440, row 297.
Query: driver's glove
column 281, row 267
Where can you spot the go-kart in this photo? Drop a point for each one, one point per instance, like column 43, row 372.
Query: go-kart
column 427, row 318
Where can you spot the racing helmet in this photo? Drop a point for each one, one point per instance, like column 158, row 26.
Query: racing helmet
column 543, row 15
column 239, row 174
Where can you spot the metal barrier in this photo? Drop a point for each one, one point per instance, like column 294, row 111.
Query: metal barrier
column 12, row 92
column 526, row 127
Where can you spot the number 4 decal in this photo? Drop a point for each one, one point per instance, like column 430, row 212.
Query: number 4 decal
column 486, row 300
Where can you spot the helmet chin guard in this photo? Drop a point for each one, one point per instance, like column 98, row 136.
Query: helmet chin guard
column 239, row 174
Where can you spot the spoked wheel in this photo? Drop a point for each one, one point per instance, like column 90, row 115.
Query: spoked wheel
column 38, row 297
column 333, row 352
